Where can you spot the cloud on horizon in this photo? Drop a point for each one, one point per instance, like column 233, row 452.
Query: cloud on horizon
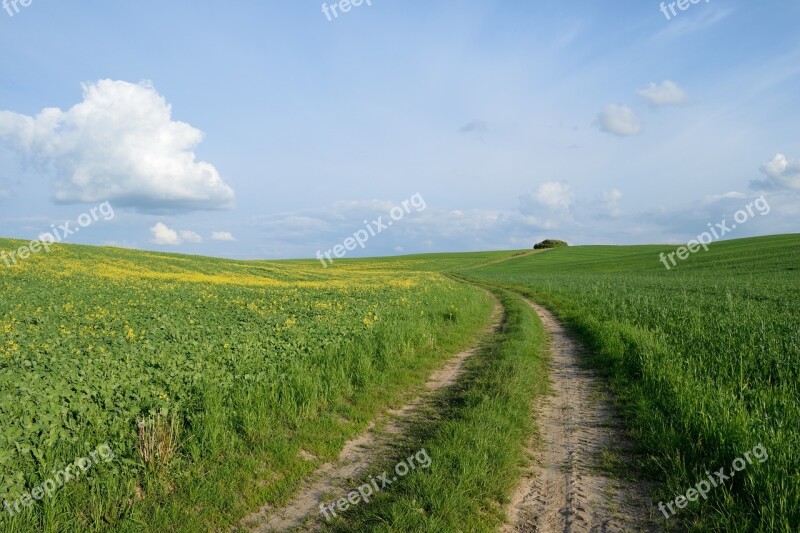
column 224, row 236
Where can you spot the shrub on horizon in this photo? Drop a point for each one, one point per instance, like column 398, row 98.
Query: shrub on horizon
column 550, row 243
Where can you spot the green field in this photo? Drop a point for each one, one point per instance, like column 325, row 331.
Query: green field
column 705, row 358
column 257, row 360
column 262, row 364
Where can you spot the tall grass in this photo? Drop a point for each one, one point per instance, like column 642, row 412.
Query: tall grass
column 705, row 357
column 476, row 440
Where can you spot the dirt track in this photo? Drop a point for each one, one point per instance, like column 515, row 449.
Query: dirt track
column 303, row 511
column 575, row 484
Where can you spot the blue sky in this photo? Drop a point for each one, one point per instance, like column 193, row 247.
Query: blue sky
column 264, row 130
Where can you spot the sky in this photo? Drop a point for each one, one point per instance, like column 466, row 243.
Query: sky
column 272, row 130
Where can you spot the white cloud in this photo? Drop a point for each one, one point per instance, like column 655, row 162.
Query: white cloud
column 781, row 174
column 550, row 210
column 664, row 94
column 190, row 237
column 714, row 198
column 620, row 120
column 222, row 236
column 164, row 236
column 119, row 144
column 548, row 207
column 554, row 195
column 301, row 234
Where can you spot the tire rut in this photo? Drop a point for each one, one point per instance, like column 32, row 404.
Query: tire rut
column 575, row 484
column 360, row 453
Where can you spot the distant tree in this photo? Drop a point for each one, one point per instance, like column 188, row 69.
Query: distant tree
column 550, row 243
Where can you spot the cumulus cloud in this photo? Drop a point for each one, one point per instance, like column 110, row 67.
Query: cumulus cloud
column 166, row 236
column 664, row 94
column 620, row 120
column 551, row 210
column 548, row 207
column 226, row 236
column 301, row 234
column 119, row 144
column 555, row 195
column 190, row 237
column 781, row 174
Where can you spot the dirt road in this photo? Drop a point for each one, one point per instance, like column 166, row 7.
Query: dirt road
column 581, row 456
column 303, row 511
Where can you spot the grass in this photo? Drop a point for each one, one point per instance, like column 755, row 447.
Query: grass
column 476, row 443
column 269, row 367
column 260, row 363
column 704, row 357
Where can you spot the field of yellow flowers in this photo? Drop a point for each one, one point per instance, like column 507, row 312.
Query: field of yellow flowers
column 255, row 366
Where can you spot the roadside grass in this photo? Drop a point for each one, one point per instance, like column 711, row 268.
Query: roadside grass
column 272, row 366
column 258, row 452
column 476, row 440
column 268, row 368
column 704, row 358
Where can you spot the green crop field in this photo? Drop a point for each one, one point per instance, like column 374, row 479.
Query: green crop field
column 706, row 358
column 255, row 373
column 257, row 360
